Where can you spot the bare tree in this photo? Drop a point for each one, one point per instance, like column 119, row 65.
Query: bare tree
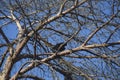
column 59, row 39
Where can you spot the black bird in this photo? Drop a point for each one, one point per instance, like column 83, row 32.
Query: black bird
column 59, row 47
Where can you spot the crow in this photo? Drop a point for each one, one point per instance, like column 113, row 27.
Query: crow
column 59, row 47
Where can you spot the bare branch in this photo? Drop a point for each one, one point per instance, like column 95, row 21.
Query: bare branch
column 95, row 31
column 61, row 8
